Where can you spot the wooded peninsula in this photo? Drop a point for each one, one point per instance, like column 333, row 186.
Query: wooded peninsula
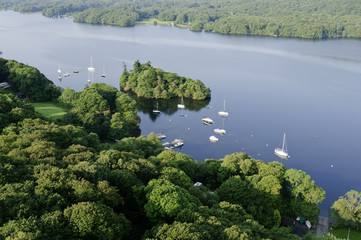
column 149, row 82
column 85, row 176
column 308, row 19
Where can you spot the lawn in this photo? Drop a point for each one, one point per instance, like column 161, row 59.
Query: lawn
column 151, row 21
column 49, row 110
column 342, row 233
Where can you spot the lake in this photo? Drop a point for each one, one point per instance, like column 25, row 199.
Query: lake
column 308, row 89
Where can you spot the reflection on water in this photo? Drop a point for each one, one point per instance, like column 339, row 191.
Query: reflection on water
column 168, row 106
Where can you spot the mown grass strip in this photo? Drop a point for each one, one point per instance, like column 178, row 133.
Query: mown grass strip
column 152, row 20
column 342, row 233
column 49, row 110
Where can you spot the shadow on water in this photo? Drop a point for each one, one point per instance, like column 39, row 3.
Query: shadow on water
column 167, row 106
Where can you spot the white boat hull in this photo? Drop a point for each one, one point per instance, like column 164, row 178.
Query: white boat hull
column 181, row 106
column 220, row 131
column 279, row 152
column 207, row 120
column 213, row 139
column 223, row 114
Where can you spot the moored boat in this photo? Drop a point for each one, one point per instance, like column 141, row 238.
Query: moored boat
column 213, row 139
column 220, row 131
column 177, row 143
column 160, row 135
column 207, row 120
column 282, row 152
column 156, row 111
column 181, row 106
column 223, row 113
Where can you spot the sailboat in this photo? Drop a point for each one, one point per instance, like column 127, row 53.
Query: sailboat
column 59, row 70
column 91, row 70
column 156, row 111
column 223, row 113
column 103, row 74
column 181, row 106
column 282, row 152
column 220, row 131
column 213, row 139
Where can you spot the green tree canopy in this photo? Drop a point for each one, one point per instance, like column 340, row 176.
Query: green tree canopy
column 149, row 82
column 346, row 211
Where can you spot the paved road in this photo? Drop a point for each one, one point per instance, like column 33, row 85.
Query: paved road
column 322, row 226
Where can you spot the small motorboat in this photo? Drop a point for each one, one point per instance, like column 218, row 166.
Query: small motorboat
column 160, row 135
column 177, row 143
column 207, row 120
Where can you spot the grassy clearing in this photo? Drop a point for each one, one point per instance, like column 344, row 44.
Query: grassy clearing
column 151, row 21
column 342, row 233
column 49, row 110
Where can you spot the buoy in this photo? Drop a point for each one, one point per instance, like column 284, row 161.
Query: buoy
column 266, row 145
column 251, row 135
column 331, row 165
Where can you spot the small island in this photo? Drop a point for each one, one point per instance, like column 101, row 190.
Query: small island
column 149, row 82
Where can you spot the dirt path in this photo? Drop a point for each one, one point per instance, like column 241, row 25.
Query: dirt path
column 322, row 226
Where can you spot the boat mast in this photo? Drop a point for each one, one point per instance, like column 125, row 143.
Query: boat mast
column 284, row 141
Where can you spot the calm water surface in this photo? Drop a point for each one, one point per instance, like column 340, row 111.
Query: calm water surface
column 308, row 89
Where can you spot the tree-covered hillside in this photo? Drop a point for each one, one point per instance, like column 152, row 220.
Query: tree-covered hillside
column 286, row 18
column 28, row 80
column 63, row 181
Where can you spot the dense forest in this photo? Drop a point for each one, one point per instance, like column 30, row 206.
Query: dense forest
column 149, row 82
column 103, row 110
column 67, row 181
column 28, row 81
column 285, row 18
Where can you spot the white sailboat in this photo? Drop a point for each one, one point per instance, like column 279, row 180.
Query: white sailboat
column 282, row 152
column 181, row 106
column 213, row 139
column 59, row 70
column 223, row 113
column 220, row 131
column 156, row 111
column 91, row 70
column 103, row 74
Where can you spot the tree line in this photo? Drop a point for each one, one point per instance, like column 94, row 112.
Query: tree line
column 296, row 18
